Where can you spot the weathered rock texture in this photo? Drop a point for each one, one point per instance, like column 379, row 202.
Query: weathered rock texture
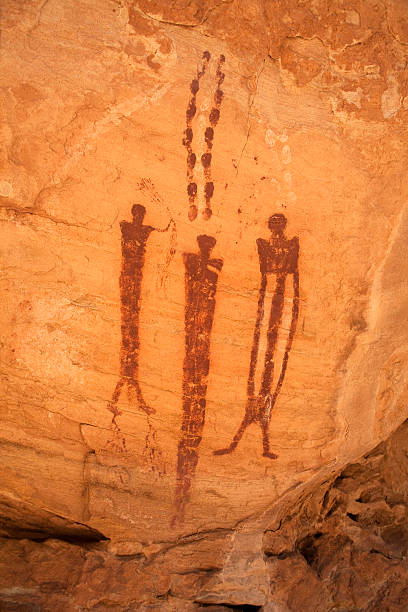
column 344, row 546
column 133, row 347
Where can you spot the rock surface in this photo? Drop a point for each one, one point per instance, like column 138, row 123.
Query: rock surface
column 134, row 348
column 343, row 546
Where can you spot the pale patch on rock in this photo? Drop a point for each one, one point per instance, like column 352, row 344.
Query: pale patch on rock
column 270, row 138
column 392, row 392
column 275, row 183
column 353, row 97
column 353, row 18
column 391, row 99
column 6, row 189
column 287, row 177
column 127, row 548
column 244, row 577
column 286, row 154
column 372, row 69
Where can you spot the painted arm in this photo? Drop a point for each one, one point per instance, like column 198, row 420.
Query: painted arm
column 166, row 228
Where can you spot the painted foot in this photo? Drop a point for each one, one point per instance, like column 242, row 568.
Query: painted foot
column 147, row 409
column 269, row 455
column 223, row 451
column 114, row 410
column 117, row 444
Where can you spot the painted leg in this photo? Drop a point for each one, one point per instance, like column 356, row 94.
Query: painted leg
column 134, row 388
column 112, row 405
column 186, row 466
column 235, row 440
column 265, row 443
column 118, row 443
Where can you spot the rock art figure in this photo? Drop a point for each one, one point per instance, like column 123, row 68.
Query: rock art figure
column 278, row 256
column 134, row 239
column 201, row 278
column 206, row 157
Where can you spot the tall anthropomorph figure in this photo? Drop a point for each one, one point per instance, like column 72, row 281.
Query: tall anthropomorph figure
column 279, row 259
column 134, row 239
column 201, row 276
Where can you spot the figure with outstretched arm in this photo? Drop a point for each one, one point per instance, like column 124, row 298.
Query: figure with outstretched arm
column 134, row 240
column 278, row 257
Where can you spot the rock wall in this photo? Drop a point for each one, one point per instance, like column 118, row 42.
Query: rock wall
column 342, row 546
column 204, row 226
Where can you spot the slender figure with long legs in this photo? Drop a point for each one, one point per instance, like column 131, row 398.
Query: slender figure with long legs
column 278, row 256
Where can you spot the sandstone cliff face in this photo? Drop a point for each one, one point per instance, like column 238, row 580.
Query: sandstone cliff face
column 202, row 360
column 343, row 546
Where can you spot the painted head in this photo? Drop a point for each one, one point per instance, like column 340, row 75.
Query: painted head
column 138, row 213
column 277, row 223
column 206, row 244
